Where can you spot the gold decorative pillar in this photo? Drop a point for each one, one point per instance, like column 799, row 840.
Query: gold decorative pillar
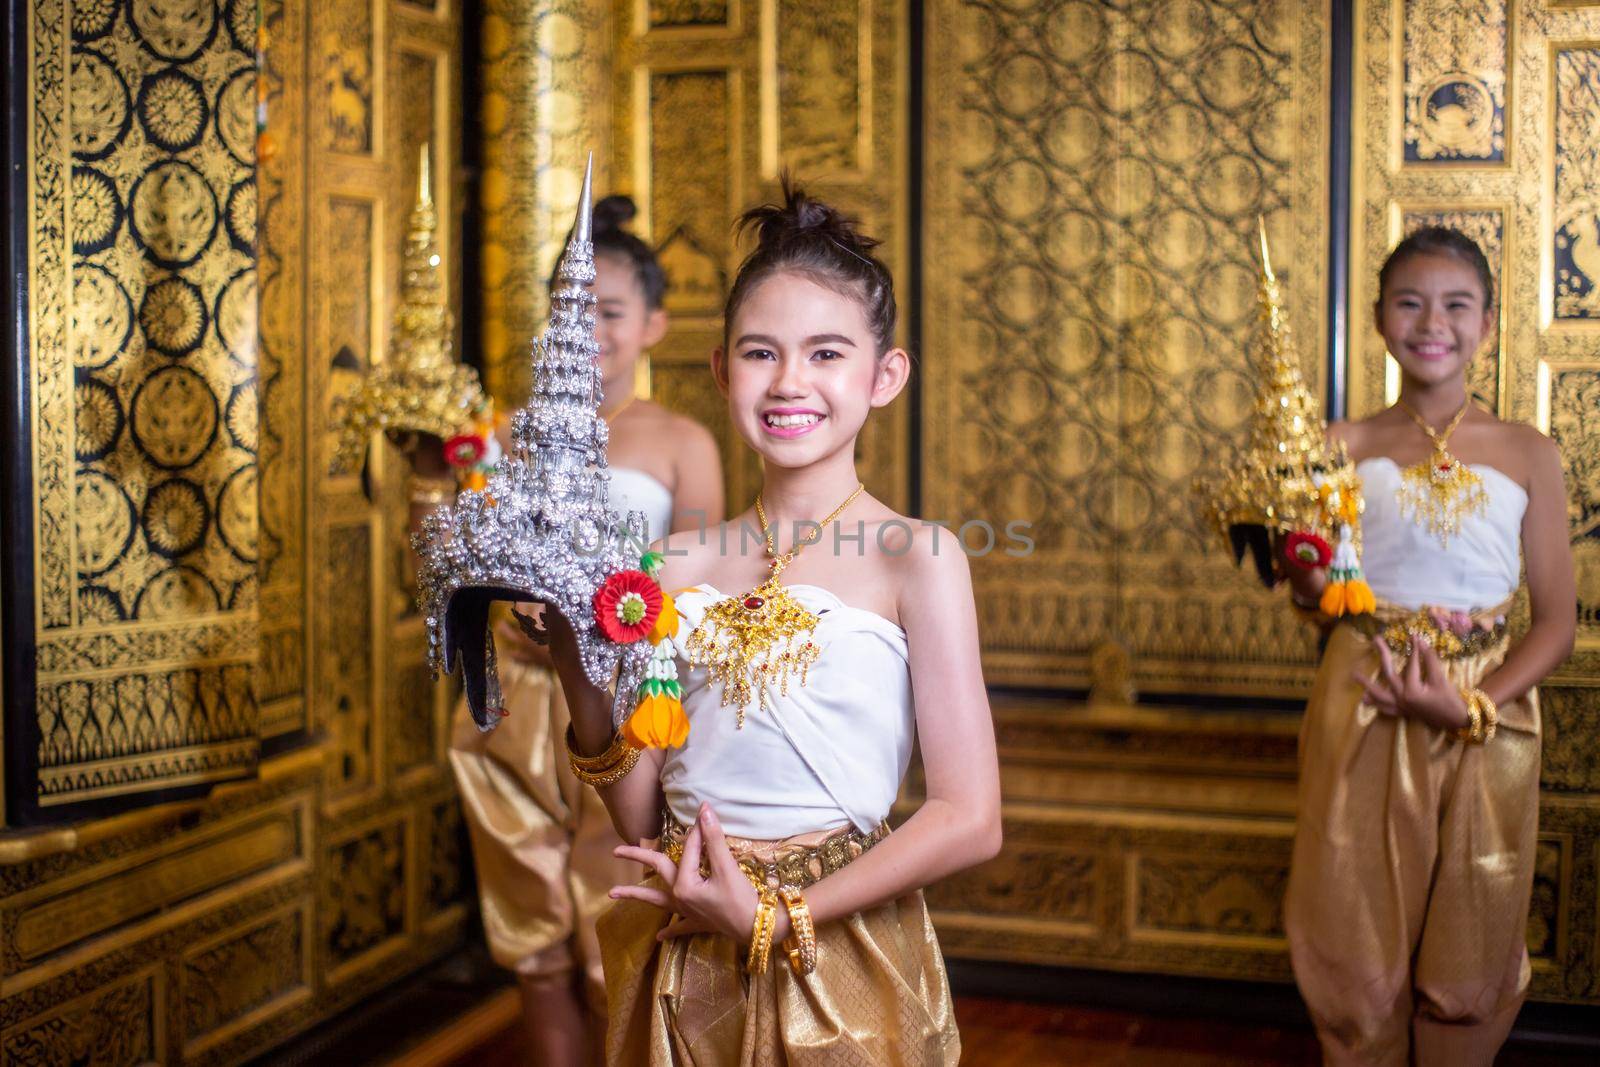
column 546, row 105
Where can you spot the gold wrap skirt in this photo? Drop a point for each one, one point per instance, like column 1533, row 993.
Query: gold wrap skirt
column 878, row 995
column 1413, row 863
column 541, row 841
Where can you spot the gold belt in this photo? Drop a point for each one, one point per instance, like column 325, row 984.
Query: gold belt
column 1399, row 629
column 783, row 865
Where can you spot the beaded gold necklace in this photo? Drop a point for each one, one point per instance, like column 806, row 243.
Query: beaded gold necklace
column 1440, row 491
column 764, row 636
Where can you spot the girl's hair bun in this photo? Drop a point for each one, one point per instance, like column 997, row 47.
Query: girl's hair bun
column 813, row 238
column 804, row 218
column 606, row 220
column 612, row 213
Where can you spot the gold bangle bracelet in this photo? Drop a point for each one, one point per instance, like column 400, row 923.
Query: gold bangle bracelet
column 761, row 934
column 801, row 944
column 607, row 769
column 613, row 754
column 1491, row 715
column 1472, row 733
column 610, row 777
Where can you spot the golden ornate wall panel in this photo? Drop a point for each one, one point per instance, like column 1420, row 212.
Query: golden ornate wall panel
column 1456, row 66
column 205, row 931
column 1135, row 840
column 141, row 594
column 713, row 100
column 1090, row 293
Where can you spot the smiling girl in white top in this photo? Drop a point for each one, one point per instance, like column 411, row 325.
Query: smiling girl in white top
column 1419, row 754
column 787, row 774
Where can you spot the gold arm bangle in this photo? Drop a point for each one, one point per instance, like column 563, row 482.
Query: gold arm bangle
column 761, row 934
column 613, row 754
column 1491, row 715
column 801, row 944
column 1472, row 733
column 606, row 769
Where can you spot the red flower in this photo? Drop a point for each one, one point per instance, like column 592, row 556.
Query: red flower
column 1307, row 550
column 626, row 606
column 464, row 450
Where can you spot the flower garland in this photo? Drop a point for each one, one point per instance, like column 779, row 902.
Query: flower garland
column 1347, row 591
column 631, row 606
column 474, row 453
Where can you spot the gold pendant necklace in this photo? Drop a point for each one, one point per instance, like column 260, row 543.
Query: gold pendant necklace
column 764, row 636
column 1440, row 491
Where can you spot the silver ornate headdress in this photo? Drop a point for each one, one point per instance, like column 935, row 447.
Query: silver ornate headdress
column 541, row 530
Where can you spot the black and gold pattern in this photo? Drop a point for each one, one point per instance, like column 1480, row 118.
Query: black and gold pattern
column 173, row 316
column 100, row 419
column 175, row 30
column 101, row 109
column 1456, row 62
column 131, row 371
column 97, row 211
column 1577, row 177
column 173, row 214
column 175, row 518
column 102, row 317
column 172, row 110
column 174, row 417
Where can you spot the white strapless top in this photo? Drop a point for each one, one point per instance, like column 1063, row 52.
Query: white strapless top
column 828, row 754
column 634, row 490
column 1406, row 565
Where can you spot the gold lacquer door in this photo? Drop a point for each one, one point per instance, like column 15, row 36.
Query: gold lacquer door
column 1092, row 182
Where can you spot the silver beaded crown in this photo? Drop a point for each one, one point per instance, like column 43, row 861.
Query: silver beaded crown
column 541, row 529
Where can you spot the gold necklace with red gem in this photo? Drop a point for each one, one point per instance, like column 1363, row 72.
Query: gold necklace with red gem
column 1440, row 491
column 762, row 637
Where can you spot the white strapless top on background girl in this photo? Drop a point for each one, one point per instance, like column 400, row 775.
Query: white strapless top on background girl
column 1480, row 566
column 826, row 755
column 634, row 490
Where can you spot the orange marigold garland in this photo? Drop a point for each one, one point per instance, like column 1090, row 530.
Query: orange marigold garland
column 632, row 606
column 1347, row 592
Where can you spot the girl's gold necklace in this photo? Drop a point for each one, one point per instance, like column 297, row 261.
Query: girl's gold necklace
column 1440, row 491
column 764, row 636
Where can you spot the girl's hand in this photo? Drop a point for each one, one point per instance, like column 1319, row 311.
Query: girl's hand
column 1424, row 691
column 724, row 903
column 1306, row 583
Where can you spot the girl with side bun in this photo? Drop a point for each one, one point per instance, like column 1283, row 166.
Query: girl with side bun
column 1419, row 754
column 781, row 921
column 541, row 841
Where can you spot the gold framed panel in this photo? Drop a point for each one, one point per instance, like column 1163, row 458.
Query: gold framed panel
column 1070, row 190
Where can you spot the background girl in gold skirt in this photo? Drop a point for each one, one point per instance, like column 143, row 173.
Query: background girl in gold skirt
column 541, row 841
column 781, row 922
column 1419, row 754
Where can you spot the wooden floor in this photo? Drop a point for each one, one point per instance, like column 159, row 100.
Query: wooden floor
column 1006, row 1033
